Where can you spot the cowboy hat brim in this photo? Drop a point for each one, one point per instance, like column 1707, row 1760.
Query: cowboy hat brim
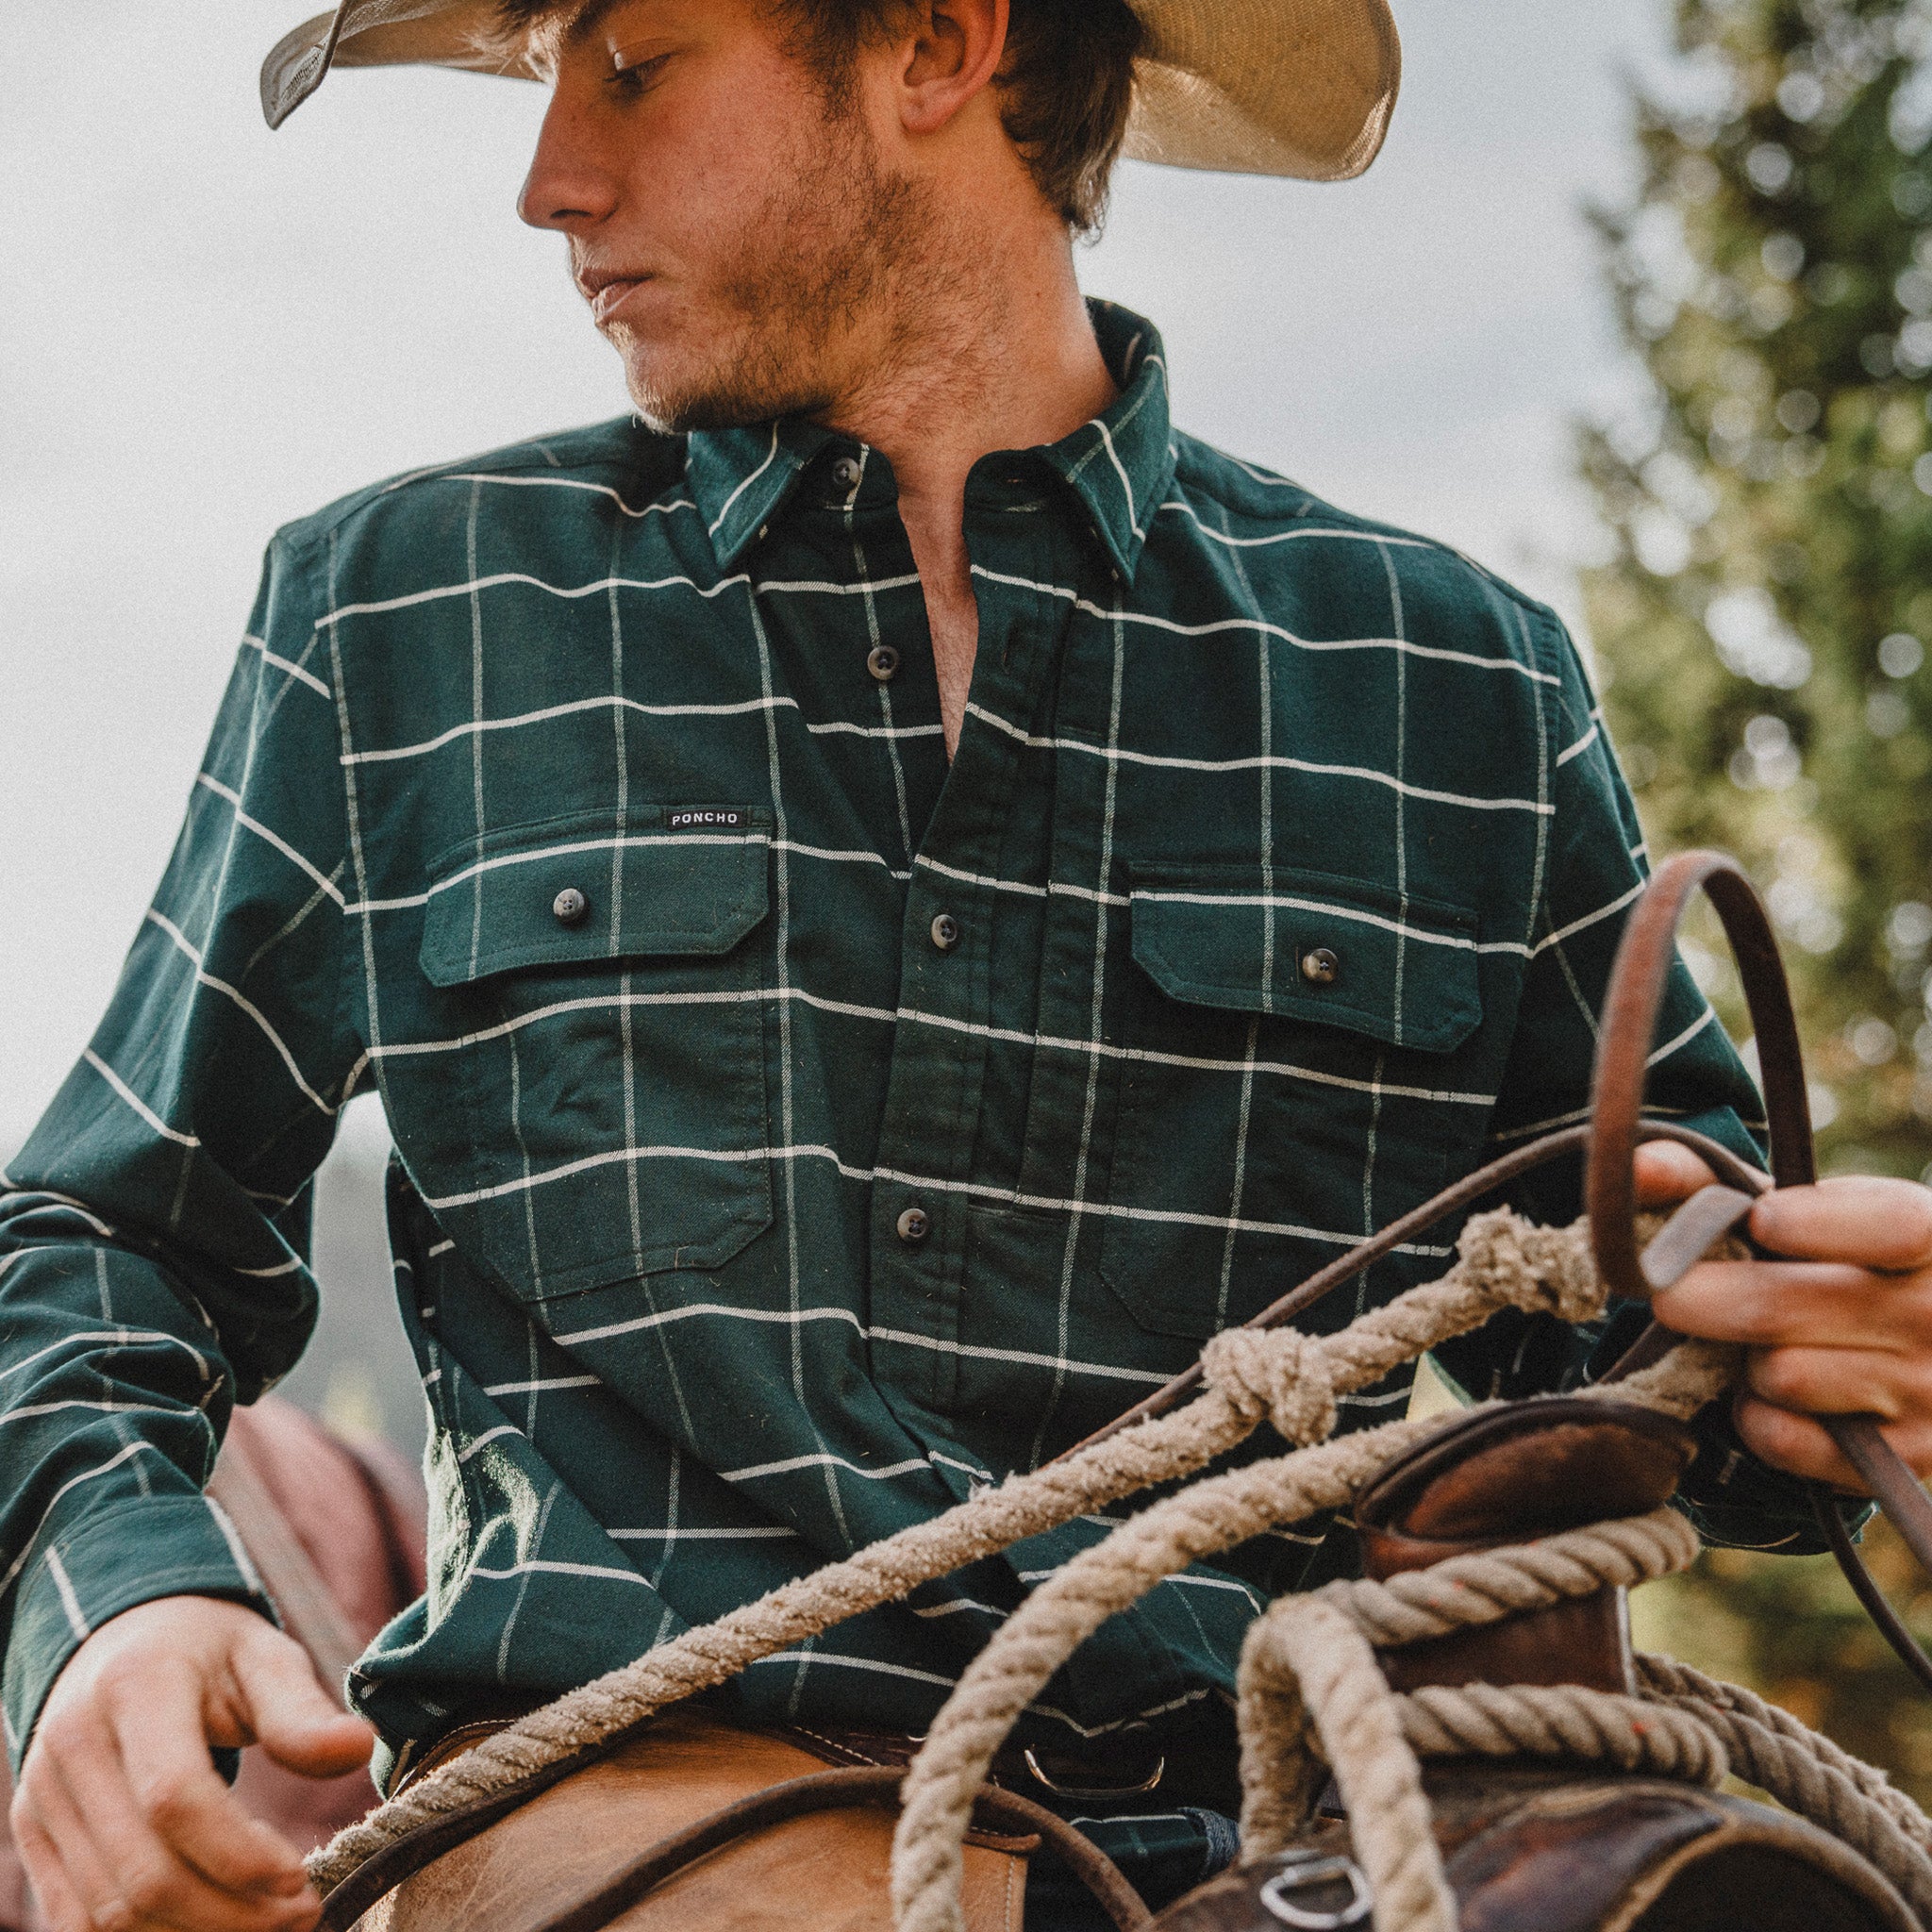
column 1302, row 88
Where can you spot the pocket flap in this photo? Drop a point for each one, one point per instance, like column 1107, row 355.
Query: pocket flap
column 1399, row 969
column 572, row 892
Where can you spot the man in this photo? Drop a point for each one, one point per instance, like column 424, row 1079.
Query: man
column 885, row 900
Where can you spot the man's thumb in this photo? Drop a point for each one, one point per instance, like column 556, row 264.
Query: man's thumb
column 292, row 1717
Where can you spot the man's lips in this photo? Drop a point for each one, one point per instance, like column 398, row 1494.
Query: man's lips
column 606, row 288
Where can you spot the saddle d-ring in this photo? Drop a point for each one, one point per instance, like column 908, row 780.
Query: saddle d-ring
column 1631, row 1008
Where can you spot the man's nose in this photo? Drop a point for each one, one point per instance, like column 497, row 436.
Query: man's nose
column 567, row 188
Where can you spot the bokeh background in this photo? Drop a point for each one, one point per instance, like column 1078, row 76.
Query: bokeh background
column 1636, row 308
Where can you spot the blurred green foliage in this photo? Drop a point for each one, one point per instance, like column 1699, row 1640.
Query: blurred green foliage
column 1789, row 1628
column 1761, row 629
column 1762, row 625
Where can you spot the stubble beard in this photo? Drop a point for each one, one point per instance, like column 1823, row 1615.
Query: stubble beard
column 840, row 251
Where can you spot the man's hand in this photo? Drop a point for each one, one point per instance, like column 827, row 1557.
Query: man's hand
column 122, row 1820
column 1842, row 1327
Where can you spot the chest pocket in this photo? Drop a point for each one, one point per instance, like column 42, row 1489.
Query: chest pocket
column 612, row 1059
column 1291, row 1081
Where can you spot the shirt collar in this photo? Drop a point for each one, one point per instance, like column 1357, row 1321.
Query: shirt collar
column 1121, row 462
column 741, row 477
column 1118, row 465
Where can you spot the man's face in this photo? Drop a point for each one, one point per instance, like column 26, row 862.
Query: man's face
column 732, row 227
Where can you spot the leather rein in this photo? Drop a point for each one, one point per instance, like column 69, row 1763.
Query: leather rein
column 1609, row 1143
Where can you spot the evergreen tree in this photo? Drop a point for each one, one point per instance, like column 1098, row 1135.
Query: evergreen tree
column 1762, row 628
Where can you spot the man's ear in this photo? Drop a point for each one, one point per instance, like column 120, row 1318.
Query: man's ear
column 952, row 56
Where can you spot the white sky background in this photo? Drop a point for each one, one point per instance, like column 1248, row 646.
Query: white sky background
column 206, row 329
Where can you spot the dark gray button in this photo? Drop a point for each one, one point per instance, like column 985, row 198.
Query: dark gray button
column 570, row 905
column 883, row 663
column 1320, row 967
column 945, row 932
column 846, row 473
column 914, row 1225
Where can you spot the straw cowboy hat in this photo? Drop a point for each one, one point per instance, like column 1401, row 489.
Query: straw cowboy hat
column 1251, row 87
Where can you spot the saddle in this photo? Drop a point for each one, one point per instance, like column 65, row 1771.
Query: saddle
column 696, row 1825
column 699, row 1825
column 1551, row 1846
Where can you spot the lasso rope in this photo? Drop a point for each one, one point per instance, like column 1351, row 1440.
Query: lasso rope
column 1158, row 1543
column 1310, row 1689
column 1503, row 1261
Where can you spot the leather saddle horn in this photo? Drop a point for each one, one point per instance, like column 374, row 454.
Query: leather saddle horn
column 1537, row 1845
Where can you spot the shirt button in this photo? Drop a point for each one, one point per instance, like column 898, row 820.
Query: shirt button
column 945, row 932
column 914, row 1225
column 883, row 663
column 1320, row 967
column 570, row 905
column 846, row 473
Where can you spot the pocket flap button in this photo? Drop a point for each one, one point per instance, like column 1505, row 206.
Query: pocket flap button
column 570, row 905
column 1320, row 967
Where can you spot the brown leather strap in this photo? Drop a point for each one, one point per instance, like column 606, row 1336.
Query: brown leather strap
column 302, row 1597
column 1638, row 979
column 1643, row 970
column 834, row 1790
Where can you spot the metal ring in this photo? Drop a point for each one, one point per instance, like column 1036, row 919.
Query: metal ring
column 1306, row 1869
column 1091, row 1793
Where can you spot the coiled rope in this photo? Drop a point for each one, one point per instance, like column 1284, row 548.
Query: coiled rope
column 1503, row 1261
column 1310, row 1690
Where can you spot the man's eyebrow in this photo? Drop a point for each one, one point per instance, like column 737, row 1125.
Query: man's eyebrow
column 587, row 19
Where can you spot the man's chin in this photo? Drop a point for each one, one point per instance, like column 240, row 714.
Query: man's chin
column 714, row 400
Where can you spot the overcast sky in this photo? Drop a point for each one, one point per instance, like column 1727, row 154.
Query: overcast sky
column 209, row 329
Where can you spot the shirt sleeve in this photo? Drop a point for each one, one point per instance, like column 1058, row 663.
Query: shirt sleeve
column 154, row 1230
column 1595, row 868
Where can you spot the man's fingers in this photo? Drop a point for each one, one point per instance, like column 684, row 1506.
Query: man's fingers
column 1799, row 1444
column 286, row 1711
column 142, row 1875
column 160, row 1740
column 1866, row 1219
column 60, row 1904
column 74, row 1888
column 1842, row 1381
column 1667, row 1174
column 1819, row 1304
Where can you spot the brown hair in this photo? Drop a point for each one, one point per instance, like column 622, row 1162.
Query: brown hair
column 1066, row 84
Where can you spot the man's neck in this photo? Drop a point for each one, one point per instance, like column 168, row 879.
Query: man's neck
column 1003, row 356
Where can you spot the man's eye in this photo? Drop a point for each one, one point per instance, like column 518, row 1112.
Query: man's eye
column 634, row 76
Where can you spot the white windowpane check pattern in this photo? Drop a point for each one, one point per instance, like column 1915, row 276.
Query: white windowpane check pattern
column 796, row 1132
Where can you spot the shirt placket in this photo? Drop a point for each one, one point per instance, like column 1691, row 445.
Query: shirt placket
column 964, row 966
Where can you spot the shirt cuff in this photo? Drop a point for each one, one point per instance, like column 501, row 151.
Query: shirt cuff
column 1739, row 1503
column 107, row 1563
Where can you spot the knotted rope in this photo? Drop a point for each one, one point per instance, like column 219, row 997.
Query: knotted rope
column 1312, row 1693
column 1503, row 1261
column 1309, row 1677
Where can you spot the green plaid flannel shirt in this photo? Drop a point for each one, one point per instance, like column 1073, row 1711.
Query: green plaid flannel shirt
column 794, row 1134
